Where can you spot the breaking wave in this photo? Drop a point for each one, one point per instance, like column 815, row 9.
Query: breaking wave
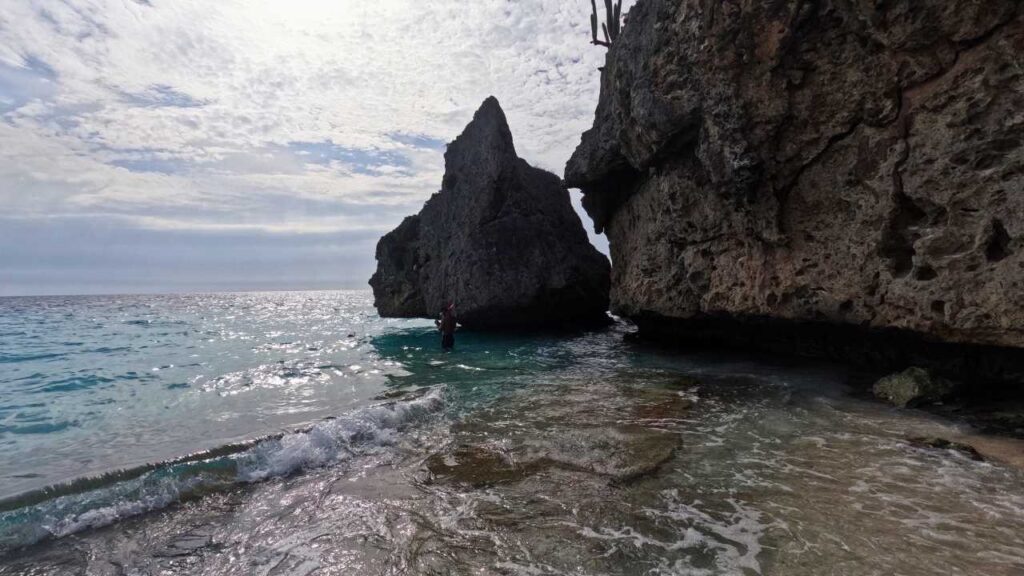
column 64, row 509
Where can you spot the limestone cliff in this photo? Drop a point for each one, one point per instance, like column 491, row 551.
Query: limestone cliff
column 500, row 239
column 840, row 163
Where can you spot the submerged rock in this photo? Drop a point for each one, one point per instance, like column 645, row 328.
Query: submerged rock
column 188, row 543
column 478, row 465
column 500, row 239
column 912, row 387
column 945, row 444
column 792, row 163
column 658, row 403
column 619, row 453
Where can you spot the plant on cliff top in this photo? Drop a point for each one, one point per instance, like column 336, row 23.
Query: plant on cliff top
column 612, row 24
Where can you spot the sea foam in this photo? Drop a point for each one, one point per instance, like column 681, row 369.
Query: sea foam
column 359, row 433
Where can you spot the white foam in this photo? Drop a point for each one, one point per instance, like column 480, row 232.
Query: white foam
column 164, row 493
column 335, row 440
column 362, row 432
column 733, row 537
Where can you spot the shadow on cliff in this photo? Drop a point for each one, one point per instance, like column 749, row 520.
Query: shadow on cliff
column 990, row 394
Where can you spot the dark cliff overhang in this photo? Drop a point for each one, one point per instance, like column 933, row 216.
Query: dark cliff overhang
column 985, row 370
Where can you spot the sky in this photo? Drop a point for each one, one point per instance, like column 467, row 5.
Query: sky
column 190, row 145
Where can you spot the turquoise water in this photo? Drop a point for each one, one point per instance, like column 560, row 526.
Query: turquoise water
column 299, row 433
column 117, row 405
column 94, row 384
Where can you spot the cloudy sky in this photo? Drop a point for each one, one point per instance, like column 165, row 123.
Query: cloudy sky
column 175, row 145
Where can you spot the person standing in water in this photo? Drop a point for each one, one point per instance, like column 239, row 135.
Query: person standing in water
column 447, row 325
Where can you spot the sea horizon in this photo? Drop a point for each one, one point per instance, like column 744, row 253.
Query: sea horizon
column 184, row 292
column 531, row 288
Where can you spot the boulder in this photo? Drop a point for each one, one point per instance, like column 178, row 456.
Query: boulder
column 500, row 239
column 801, row 163
column 938, row 443
column 912, row 387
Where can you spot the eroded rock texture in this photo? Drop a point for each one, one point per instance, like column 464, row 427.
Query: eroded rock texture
column 500, row 239
column 852, row 163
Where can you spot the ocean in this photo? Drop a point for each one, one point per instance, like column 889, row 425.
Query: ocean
column 300, row 433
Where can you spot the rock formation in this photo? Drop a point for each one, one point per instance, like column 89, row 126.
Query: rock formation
column 913, row 387
column 761, row 168
column 500, row 239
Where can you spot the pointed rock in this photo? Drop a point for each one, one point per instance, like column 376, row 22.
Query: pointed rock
column 500, row 239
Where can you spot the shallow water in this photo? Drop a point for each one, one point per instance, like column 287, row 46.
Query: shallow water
column 92, row 384
column 521, row 455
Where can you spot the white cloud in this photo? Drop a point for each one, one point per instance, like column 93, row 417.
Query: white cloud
column 187, row 113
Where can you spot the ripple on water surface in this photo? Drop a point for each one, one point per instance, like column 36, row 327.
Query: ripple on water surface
column 516, row 454
column 93, row 384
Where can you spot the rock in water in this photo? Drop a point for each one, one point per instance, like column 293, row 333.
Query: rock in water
column 620, row 453
column 800, row 162
column 912, row 387
column 500, row 239
column 945, row 444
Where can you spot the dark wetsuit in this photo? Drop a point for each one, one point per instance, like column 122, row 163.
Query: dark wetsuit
column 447, row 327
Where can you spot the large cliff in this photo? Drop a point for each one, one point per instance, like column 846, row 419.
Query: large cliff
column 758, row 166
column 500, row 240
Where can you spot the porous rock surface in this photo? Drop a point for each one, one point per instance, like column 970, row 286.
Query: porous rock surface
column 500, row 239
column 912, row 387
column 842, row 162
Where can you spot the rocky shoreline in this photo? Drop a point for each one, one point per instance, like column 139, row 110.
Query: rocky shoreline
column 820, row 180
column 993, row 409
column 798, row 178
